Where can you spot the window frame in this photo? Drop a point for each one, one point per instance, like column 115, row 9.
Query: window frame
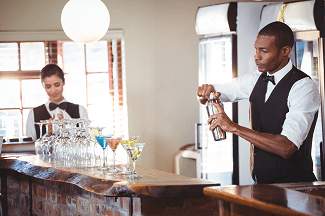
column 47, row 37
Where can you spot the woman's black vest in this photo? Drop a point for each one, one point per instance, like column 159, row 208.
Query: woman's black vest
column 268, row 117
column 41, row 113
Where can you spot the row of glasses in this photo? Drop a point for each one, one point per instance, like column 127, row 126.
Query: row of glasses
column 132, row 148
column 71, row 146
column 76, row 146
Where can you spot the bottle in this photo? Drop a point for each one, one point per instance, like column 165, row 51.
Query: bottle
column 218, row 132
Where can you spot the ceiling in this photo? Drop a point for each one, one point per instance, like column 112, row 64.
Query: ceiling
column 266, row 1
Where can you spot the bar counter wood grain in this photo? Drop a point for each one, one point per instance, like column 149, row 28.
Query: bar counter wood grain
column 154, row 183
column 265, row 200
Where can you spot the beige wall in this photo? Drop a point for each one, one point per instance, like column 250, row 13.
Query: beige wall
column 161, row 49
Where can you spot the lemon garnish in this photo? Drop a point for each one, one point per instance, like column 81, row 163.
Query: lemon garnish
column 94, row 132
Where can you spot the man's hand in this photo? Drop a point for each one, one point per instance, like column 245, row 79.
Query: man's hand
column 277, row 144
column 203, row 93
column 221, row 119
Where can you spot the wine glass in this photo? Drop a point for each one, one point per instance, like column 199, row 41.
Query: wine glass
column 47, row 141
column 129, row 142
column 39, row 149
column 134, row 151
column 102, row 142
column 113, row 144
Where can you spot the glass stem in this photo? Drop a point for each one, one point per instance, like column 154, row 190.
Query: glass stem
column 113, row 161
column 41, row 131
column 127, row 163
column 104, row 158
column 134, row 167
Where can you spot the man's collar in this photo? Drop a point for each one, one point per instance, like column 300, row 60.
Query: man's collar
column 282, row 72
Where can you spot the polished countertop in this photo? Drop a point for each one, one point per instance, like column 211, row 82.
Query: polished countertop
column 272, row 198
column 154, row 183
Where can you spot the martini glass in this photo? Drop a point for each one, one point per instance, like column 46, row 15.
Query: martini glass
column 129, row 142
column 134, row 152
column 113, row 144
column 101, row 141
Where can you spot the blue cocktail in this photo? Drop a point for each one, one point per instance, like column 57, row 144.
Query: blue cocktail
column 101, row 141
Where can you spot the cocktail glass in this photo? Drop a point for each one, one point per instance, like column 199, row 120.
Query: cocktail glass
column 129, row 142
column 134, row 151
column 113, row 144
column 101, row 141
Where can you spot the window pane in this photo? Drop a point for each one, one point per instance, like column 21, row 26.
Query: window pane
column 10, row 123
column 100, row 110
column 97, row 57
column 98, row 89
column 25, row 115
column 101, row 115
column 10, row 94
column 75, row 89
column 73, row 57
column 9, row 57
column 33, row 93
column 32, row 56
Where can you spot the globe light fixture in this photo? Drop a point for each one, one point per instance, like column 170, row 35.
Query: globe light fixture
column 85, row 21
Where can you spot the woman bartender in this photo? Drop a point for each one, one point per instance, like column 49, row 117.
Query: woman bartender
column 57, row 107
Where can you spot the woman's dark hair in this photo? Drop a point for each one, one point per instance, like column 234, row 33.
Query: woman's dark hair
column 51, row 69
column 282, row 33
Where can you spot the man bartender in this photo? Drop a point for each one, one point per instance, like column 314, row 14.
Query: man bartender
column 284, row 102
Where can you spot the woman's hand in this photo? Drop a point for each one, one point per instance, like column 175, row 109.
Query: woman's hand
column 50, row 126
column 60, row 115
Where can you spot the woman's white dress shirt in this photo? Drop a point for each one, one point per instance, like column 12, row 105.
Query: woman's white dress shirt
column 30, row 124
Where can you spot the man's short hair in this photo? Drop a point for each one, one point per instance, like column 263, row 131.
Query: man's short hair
column 282, row 33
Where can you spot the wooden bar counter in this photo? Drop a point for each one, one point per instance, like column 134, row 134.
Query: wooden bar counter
column 268, row 199
column 41, row 186
column 31, row 186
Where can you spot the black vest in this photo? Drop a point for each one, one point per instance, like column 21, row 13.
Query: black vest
column 268, row 117
column 41, row 113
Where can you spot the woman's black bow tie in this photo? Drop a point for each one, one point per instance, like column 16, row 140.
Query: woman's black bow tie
column 269, row 78
column 62, row 105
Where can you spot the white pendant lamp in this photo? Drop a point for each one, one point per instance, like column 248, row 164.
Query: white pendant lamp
column 85, row 21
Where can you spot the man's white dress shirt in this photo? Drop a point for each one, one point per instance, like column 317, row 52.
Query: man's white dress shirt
column 303, row 100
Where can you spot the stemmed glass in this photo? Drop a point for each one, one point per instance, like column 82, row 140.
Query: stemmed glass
column 39, row 149
column 129, row 142
column 57, row 143
column 47, row 141
column 101, row 141
column 134, row 151
column 113, row 144
column 95, row 131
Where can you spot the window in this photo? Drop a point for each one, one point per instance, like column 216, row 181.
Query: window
column 94, row 78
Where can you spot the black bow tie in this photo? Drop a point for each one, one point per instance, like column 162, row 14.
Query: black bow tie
column 269, row 78
column 62, row 105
